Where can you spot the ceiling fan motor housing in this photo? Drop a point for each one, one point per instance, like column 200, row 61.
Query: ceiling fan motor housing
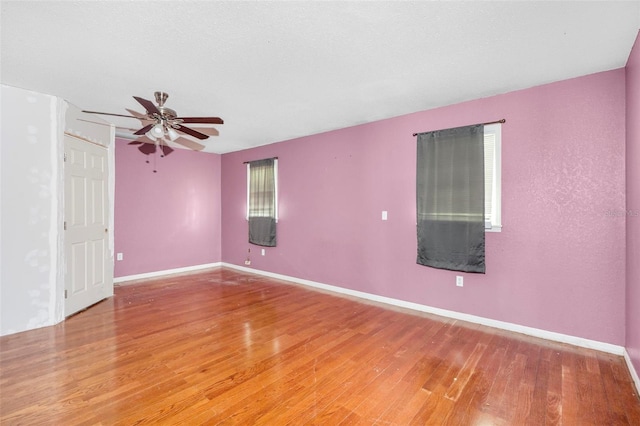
column 167, row 113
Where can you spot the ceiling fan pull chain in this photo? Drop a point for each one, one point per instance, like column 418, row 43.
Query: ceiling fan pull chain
column 155, row 158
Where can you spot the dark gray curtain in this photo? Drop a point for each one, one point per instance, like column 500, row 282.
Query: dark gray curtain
column 450, row 199
column 262, row 203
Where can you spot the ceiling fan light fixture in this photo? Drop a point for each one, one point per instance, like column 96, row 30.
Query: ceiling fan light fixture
column 157, row 130
column 150, row 135
column 173, row 135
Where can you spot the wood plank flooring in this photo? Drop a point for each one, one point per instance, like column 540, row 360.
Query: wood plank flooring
column 227, row 347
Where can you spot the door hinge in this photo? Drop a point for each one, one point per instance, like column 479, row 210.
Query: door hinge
column 65, row 225
column 65, row 293
column 65, row 157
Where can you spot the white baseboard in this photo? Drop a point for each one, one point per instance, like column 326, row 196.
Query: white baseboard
column 155, row 274
column 632, row 370
column 530, row 331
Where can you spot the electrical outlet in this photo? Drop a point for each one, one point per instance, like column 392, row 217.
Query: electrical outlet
column 247, row 262
column 119, row 256
column 263, row 252
column 459, row 280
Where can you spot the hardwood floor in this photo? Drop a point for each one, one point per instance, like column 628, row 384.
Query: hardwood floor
column 226, row 347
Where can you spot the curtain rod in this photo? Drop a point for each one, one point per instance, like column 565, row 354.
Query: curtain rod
column 485, row 124
column 271, row 158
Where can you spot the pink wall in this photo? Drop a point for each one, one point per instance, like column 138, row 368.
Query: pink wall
column 558, row 264
column 633, row 205
column 169, row 219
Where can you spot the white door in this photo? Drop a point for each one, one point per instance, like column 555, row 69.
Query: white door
column 88, row 273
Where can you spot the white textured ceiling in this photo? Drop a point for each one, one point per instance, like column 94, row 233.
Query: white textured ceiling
column 279, row 70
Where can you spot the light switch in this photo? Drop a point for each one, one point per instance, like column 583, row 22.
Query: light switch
column 384, row 215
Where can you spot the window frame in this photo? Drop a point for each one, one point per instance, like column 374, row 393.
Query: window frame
column 493, row 220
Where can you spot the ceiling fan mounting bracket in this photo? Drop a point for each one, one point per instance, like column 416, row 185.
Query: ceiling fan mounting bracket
column 161, row 98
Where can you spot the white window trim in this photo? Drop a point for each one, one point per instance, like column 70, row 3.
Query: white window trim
column 496, row 211
column 246, row 215
column 275, row 184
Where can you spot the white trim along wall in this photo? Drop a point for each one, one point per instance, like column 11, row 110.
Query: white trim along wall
column 126, row 279
column 530, row 331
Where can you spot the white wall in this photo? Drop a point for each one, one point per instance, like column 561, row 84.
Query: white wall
column 30, row 247
column 32, row 204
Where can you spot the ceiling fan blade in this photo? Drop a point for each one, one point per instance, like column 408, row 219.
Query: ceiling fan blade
column 165, row 149
column 148, row 106
column 144, row 130
column 147, row 148
column 141, row 140
column 211, row 131
column 128, row 129
column 118, row 134
column 108, row 113
column 140, row 116
column 203, row 120
column 188, row 143
column 94, row 122
column 189, row 131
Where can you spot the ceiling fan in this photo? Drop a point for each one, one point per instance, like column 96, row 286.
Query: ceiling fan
column 162, row 125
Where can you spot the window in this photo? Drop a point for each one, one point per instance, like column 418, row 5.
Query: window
column 492, row 182
column 458, row 195
column 262, row 201
column 492, row 177
column 450, row 199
